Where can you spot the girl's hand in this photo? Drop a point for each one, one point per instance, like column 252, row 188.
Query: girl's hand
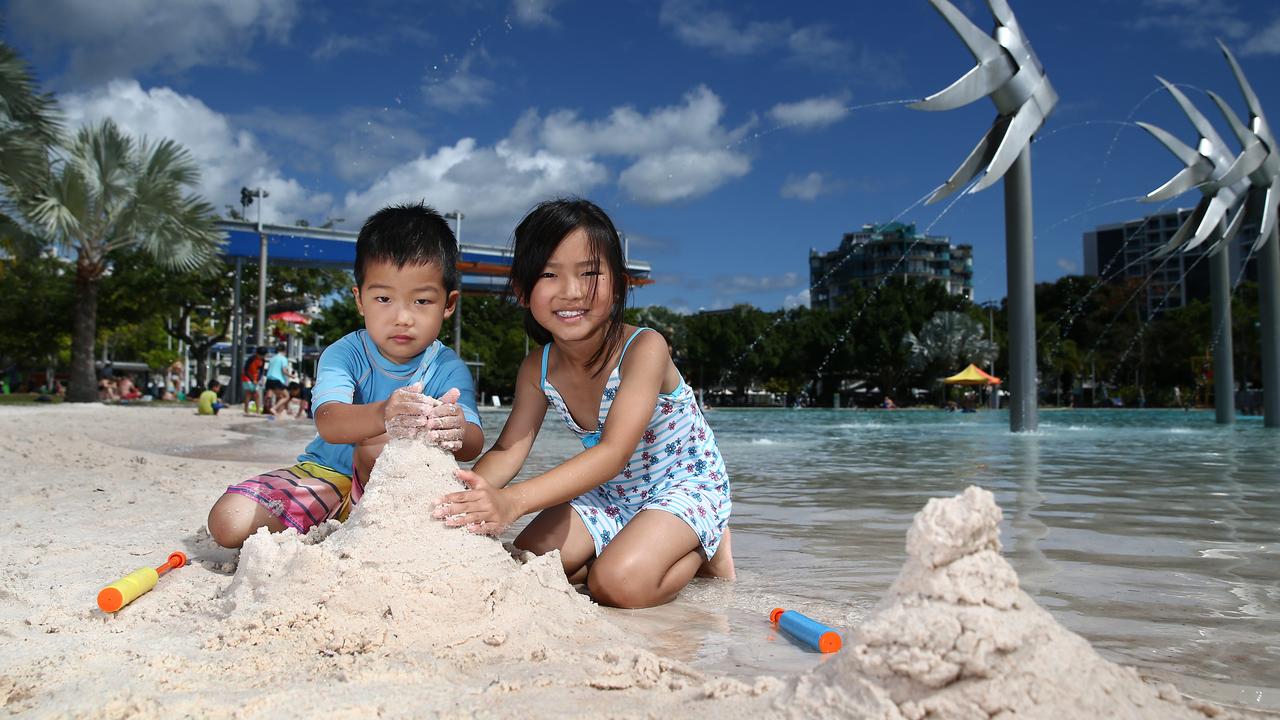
column 445, row 423
column 484, row 509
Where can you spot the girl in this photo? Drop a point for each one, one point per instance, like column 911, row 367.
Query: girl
column 645, row 505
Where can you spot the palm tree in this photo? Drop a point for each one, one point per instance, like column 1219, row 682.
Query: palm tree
column 948, row 341
column 109, row 192
column 29, row 126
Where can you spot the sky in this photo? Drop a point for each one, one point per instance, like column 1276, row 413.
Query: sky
column 725, row 139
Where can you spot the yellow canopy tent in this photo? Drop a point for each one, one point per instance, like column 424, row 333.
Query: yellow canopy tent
column 972, row 375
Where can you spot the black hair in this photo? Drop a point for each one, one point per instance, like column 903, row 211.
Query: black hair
column 260, row 350
column 294, row 385
column 408, row 233
column 215, row 385
column 536, row 239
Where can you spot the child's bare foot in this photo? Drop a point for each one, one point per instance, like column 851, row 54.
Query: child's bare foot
column 721, row 564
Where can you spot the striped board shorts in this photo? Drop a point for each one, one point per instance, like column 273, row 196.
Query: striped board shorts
column 302, row 496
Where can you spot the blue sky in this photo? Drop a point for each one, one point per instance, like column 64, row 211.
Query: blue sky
column 723, row 137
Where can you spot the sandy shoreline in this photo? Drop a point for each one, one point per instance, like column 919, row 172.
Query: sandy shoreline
column 90, row 505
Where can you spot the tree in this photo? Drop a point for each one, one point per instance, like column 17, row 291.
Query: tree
column 949, row 340
column 109, row 192
column 29, row 126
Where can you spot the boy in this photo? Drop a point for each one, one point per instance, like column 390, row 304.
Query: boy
column 209, row 403
column 251, row 379
column 277, row 375
column 387, row 375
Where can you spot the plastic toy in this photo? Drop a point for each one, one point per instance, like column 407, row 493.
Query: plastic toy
column 130, row 587
column 807, row 630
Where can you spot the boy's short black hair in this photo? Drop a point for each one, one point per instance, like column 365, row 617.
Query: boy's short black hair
column 409, row 233
column 215, row 385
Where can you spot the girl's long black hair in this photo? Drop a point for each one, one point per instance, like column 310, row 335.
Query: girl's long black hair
column 536, row 239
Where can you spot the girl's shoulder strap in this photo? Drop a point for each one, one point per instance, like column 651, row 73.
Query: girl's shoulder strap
column 545, row 350
column 630, row 340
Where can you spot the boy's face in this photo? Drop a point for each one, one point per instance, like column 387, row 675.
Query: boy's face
column 403, row 308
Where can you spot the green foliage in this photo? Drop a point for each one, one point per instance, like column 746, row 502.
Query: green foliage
column 35, row 318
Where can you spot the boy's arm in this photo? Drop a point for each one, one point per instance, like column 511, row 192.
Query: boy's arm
column 503, row 461
column 345, row 424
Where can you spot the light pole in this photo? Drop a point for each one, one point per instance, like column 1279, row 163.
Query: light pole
column 457, row 308
column 246, row 199
column 994, row 400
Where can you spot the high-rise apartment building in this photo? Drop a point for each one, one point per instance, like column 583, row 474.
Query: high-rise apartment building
column 1121, row 251
column 866, row 257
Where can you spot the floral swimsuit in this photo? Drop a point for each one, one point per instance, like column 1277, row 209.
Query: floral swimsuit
column 676, row 467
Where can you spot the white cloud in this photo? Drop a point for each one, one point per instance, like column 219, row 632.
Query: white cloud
column 462, row 87
column 115, row 39
column 698, row 24
column 807, row 187
column 335, row 45
column 812, row 112
column 800, row 299
column 1266, row 42
column 742, row 284
column 680, row 151
column 681, row 173
column 228, row 158
column 1066, row 265
column 535, row 12
column 492, row 186
column 717, row 30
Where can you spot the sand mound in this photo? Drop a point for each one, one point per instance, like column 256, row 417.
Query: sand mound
column 955, row 637
column 393, row 578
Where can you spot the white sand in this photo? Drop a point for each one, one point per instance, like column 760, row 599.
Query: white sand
column 395, row 614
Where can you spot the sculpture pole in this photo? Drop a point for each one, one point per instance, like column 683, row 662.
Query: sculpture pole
column 1009, row 73
column 1269, row 315
column 1018, row 231
column 1224, row 382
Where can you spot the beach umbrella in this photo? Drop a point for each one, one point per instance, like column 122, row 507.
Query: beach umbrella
column 972, row 375
column 292, row 317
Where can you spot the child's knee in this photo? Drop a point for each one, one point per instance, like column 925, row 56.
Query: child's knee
column 231, row 520
column 619, row 585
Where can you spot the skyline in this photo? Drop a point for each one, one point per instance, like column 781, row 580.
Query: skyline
column 725, row 140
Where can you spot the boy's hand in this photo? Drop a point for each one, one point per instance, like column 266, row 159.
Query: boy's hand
column 407, row 411
column 445, row 424
column 483, row 510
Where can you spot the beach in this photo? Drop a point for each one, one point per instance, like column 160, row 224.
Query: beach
column 392, row 616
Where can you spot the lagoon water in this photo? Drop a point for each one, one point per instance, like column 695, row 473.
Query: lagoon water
column 1154, row 534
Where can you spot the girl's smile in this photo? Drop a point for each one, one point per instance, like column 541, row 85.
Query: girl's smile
column 573, row 295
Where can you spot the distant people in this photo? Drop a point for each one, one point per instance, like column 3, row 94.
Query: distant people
column 126, row 389
column 251, row 380
column 174, row 376
column 888, row 404
column 209, row 403
column 277, row 380
column 107, row 390
column 293, row 393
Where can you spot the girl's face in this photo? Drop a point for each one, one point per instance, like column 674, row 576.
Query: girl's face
column 574, row 294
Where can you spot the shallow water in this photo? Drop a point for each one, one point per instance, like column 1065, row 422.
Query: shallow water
column 1151, row 533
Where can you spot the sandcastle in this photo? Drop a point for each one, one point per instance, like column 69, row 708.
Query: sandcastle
column 458, row 619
